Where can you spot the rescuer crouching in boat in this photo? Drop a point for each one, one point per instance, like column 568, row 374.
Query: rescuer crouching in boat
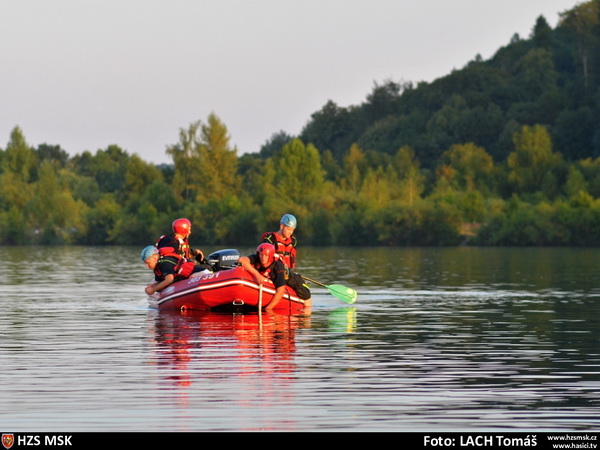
column 265, row 264
column 178, row 242
column 284, row 241
column 167, row 268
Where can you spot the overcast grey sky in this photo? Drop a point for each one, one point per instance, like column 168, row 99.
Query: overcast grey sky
column 84, row 74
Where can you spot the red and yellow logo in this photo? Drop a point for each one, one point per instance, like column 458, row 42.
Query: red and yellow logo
column 8, row 440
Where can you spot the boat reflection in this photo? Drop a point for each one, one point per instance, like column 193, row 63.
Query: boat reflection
column 196, row 345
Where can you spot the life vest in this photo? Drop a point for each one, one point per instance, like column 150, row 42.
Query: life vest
column 182, row 267
column 266, row 272
column 183, row 249
column 284, row 247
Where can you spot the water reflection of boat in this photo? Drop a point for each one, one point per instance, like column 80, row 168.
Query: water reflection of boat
column 211, row 342
column 232, row 288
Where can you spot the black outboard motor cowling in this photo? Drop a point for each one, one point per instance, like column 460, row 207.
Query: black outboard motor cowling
column 224, row 259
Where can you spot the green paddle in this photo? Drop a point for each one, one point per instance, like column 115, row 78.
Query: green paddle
column 342, row 292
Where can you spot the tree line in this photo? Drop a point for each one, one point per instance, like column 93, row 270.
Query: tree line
column 501, row 152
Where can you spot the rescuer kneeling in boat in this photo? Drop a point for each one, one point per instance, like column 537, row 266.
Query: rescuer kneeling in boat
column 167, row 268
column 284, row 240
column 178, row 242
column 265, row 264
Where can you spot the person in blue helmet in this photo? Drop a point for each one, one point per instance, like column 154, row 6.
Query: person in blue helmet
column 167, row 268
column 284, row 240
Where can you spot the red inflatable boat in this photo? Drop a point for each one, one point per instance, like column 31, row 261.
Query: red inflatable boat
column 229, row 287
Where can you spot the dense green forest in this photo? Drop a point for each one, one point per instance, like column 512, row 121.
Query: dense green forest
column 504, row 151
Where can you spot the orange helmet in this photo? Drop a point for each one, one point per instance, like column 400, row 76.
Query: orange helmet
column 266, row 249
column 182, row 226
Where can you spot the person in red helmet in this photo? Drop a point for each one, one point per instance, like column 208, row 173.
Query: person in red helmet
column 178, row 243
column 265, row 265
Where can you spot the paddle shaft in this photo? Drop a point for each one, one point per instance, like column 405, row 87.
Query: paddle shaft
column 313, row 281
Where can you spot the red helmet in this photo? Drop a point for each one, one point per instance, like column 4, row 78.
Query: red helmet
column 182, row 226
column 266, row 249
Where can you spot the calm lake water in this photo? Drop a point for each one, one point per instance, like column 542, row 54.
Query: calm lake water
column 460, row 339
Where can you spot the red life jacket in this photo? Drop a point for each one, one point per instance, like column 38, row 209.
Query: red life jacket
column 183, row 249
column 267, row 272
column 183, row 268
column 284, row 247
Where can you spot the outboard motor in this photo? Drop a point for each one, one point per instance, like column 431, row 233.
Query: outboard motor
column 224, row 259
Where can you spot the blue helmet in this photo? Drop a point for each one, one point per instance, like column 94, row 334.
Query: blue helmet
column 288, row 221
column 148, row 252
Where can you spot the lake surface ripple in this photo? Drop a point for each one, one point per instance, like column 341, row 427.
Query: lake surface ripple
column 461, row 339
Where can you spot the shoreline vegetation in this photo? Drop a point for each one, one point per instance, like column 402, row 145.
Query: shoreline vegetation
column 503, row 152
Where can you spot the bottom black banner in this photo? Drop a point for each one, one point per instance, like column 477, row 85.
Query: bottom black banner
column 425, row 440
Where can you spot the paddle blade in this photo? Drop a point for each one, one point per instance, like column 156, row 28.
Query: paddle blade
column 344, row 293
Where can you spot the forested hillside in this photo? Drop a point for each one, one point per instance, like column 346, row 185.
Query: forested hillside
column 504, row 151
